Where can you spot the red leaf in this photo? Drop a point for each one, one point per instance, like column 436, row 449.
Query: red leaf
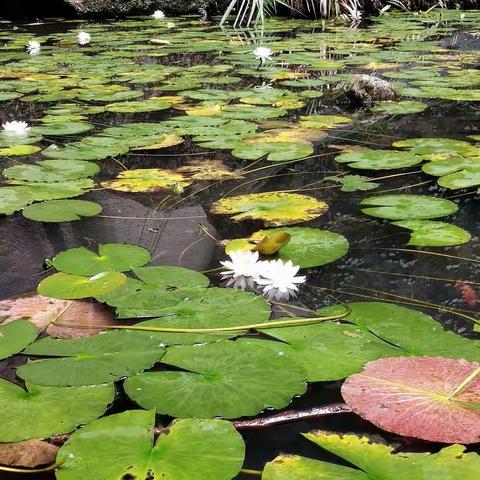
column 44, row 311
column 415, row 397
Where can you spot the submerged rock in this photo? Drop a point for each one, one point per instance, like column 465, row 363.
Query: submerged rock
column 362, row 90
column 461, row 41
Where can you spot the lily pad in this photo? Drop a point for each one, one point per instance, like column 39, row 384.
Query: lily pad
column 52, row 171
column 332, row 351
column 274, row 208
column 120, row 257
column 61, row 210
column 323, row 121
column 19, row 150
column 408, row 207
column 102, row 358
column 190, row 449
column 146, row 180
column 378, row 461
column 276, row 151
column 40, row 412
column 426, row 233
column 438, row 148
column 379, row 159
column 432, row 398
column 72, row 287
column 212, row 375
column 402, row 107
column 64, row 128
column 353, row 183
column 15, row 336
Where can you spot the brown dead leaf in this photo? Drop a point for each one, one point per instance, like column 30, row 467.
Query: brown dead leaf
column 44, row 311
column 28, row 454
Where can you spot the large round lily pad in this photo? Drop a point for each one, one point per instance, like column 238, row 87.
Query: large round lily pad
column 408, row 207
column 40, row 412
column 379, row 159
column 61, row 210
column 15, row 336
column 120, row 257
column 72, row 287
column 432, row 398
column 101, row 358
column 274, row 208
column 224, row 379
column 190, row 449
column 426, row 233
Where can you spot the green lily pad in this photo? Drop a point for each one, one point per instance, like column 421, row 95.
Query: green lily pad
column 61, row 210
column 408, row 207
column 11, row 139
column 15, row 336
column 274, row 208
column 64, row 128
column 378, row 461
column 6, row 96
column 13, row 199
column 276, row 151
column 73, row 287
column 323, row 121
column 426, row 233
column 379, row 159
column 52, row 171
column 307, row 247
column 402, row 107
column 40, row 412
column 293, row 467
column 120, row 257
column 101, row 358
column 190, row 449
column 19, row 150
column 332, row 351
column 438, row 148
column 353, row 183
column 212, row 375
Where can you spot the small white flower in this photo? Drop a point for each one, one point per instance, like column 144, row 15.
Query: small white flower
column 242, row 270
column 279, row 279
column 170, row 25
column 462, row 16
column 33, row 47
column 84, row 38
column 263, row 54
column 18, row 128
column 158, row 15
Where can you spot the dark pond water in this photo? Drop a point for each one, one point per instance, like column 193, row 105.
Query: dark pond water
column 172, row 226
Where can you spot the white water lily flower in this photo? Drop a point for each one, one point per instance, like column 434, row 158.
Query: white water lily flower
column 263, row 54
column 242, row 270
column 18, row 128
column 279, row 280
column 158, row 15
column 84, row 38
column 33, row 47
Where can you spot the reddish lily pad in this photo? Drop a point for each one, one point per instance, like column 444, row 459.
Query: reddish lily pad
column 432, row 398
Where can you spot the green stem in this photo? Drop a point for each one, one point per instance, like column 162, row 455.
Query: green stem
column 465, row 383
column 246, row 471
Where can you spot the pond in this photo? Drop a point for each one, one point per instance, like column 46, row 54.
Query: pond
column 160, row 143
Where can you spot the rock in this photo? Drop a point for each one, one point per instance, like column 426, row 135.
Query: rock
column 27, row 454
column 362, row 90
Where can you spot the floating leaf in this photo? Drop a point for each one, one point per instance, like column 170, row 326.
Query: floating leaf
column 51, row 171
column 353, row 183
column 408, row 207
column 402, row 107
column 212, row 375
column 102, row 358
column 323, row 121
column 146, row 180
column 15, row 336
column 276, row 151
column 209, row 170
column 432, row 398
column 332, row 351
column 377, row 461
column 64, row 128
column 192, row 449
column 41, row 412
column 61, row 210
column 44, row 312
column 13, row 199
column 72, row 287
column 19, row 150
column 426, row 233
column 438, row 148
column 274, row 208
column 379, row 159
column 120, row 257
